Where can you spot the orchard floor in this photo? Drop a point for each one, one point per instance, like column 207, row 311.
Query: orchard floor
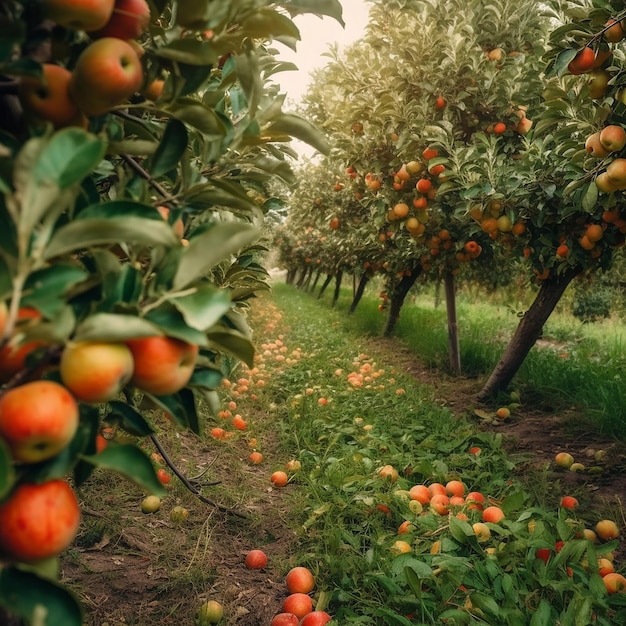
column 132, row 568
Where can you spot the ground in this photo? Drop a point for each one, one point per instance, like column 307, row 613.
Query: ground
column 131, row 568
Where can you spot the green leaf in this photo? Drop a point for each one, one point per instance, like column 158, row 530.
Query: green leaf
column 249, row 78
column 30, row 597
column 206, row 378
column 92, row 232
column 543, row 615
column 199, row 116
column 295, row 126
column 204, row 308
column 189, row 51
column 590, row 198
column 189, row 404
column 172, row 406
column 513, row 502
column 460, row 530
column 267, row 24
column 210, row 248
column 7, row 473
column 170, row 150
column 233, row 342
column 115, row 209
column 331, row 8
column 113, row 327
column 172, row 323
column 45, row 289
column 131, row 420
column 129, row 461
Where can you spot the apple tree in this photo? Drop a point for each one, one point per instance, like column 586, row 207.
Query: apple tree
column 140, row 144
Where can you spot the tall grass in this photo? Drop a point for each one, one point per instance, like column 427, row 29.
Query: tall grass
column 574, row 364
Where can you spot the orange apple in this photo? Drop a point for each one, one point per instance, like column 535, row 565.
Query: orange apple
column 616, row 173
column 37, row 420
column 595, row 147
column 107, row 72
column 178, row 225
column 300, row 579
column 129, row 20
column 14, row 354
column 613, row 137
column 493, row 514
column 49, row 98
column 38, row 521
column 96, row 371
column 163, row 365
column 607, row 529
column 79, row 14
column 300, row 604
column 154, row 90
column 614, row 582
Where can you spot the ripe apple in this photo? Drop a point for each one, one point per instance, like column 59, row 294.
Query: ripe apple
column 48, row 98
column 210, row 612
column 38, row 521
column 107, row 72
column 163, row 365
column 163, row 476
column 607, row 529
column 614, row 582
column 83, row 15
column 440, row 503
column 569, row 502
column 401, row 547
column 285, row 619
column 256, row 559
column 595, row 147
column 564, row 459
column 420, row 493
column 279, row 478
column 388, row 472
column 129, row 20
column 613, row 137
column 13, row 356
column 316, row 618
column 96, row 371
column 300, row 580
column 300, row 604
column 178, row 225
column 493, row 514
column 616, row 173
column 482, row 531
column 37, row 420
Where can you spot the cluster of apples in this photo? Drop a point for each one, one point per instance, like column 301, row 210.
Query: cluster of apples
column 107, row 72
column 39, row 419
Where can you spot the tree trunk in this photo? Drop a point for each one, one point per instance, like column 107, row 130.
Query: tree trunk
column 291, row 276
column 317, row 277
column 307, row 280
column 323, row 287
column 359, row 292
column 454, row 351
column 527, row 332
column 338, row 278
column 396, row 299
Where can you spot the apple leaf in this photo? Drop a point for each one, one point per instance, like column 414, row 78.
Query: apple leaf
column 204, row 308
column 199, row 116
column 231, row 341
column 172, row 407
column 45, row 289
column 267, row 24
column 92, row 232
column 129, row 461
column 129, row 419
column 7, row 474
column 112, row 327
column 189, row 404
column 208, row 378
column 28, row 596
column 189, row 52
column 295, row 126
column 170, row 150
column 211, row 247
column 331, row 8
column 115, row 209
column 172, row 323
column 212, row 399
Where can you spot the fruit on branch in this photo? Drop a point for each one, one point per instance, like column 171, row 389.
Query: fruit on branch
column 616, row 173
column 79, row 14
column 163, row 365
column 613, row 138
column 37, row 420
column 129, row 20
column 178, row 225
column 582, row 62
column 96, row 371
column 594, row 146
column 48, row 98
column 107, row 73
column 13, row 355
column 614, row 31
column 598, row 83
column 38, row 521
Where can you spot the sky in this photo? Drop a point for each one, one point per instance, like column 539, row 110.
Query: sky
column 316, row 37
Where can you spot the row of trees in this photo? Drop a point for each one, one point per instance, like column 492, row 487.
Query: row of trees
column 464, row 142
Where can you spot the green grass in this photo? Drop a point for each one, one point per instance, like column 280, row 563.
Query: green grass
column 574, row 364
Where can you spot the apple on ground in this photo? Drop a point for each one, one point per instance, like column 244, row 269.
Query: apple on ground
column 38, row 521
column 163, row 365
column 300, row 604
column 285, row 619
column 37, row 420
column 256, row 559
column 96, row 371
column 150, row 504
column 316, row 618
column 300, row 579
column 210, row 612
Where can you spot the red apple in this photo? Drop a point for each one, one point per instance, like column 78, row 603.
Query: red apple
column 256, row 559
column 129, row 20
column 316, row 618
column 13, row 356
column 493, row 514
column 48, row 98
column 79, row 14
column 37, row 420
column 300, row 604
column 285, row 619
column 300, row 580
column 107, row 72
column 38, row 521
column 163, row 365
column 96, row 371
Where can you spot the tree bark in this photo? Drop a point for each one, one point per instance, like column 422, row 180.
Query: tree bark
column 527, row 332
column 359, row 293
column 338, row 278
column 396, row 299
column 317, row 277
column 307, row 278
column 327, row 282
column 454, row 351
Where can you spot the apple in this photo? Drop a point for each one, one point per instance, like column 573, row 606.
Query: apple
column 455, row 488
column 543, row 553
column 279, row 478
column 150, row 504
column 178, row 225
column 607, row 529
column 163, row 476
column 388, row 472
column 37, row 420
column 482, row 531
column 493, row 514
column 82, row 15
column 440, row 503
column 293, row 465
column 163, row 365
column 285, row 619
column 39, row 521
column 300, row 580
column 401, row 547
column 13, row 355
column 153, row 90
column 129, row 20
column 595, row 147
column 179, row 514
column 613, row 137
column 210, row 612
column 614, row 582
column 256, row 559
column 300, row 604
column 106, row 74
column 96, row 371
column 316, row 618
column 420, row 493
column 564, row 459
column 48, row 98
column 569, row 502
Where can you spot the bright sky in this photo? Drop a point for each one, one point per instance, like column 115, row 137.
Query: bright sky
column 316, row 37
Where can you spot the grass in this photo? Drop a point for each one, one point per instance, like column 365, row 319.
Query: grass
column 576, row 363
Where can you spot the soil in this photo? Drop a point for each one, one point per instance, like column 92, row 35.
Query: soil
column 133, row 575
